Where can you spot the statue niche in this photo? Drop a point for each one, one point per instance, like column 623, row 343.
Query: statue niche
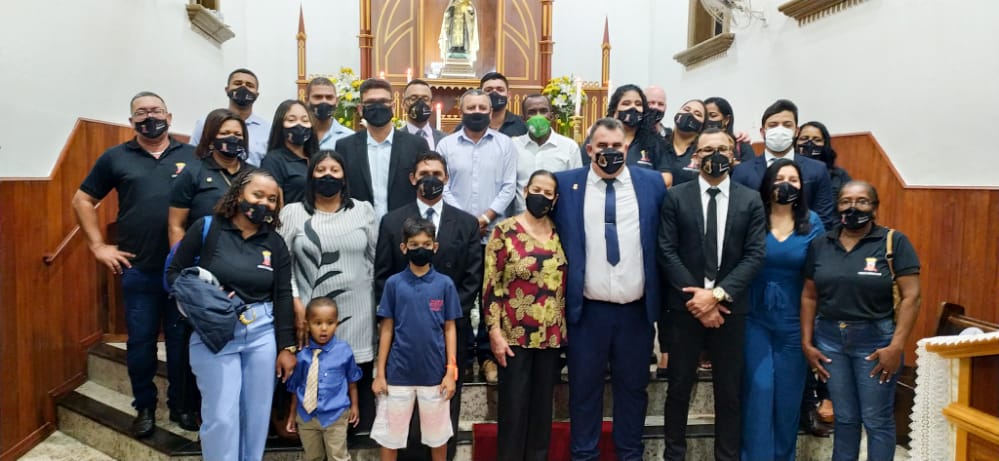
column 459, row 39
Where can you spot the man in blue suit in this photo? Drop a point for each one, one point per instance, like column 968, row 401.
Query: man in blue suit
column 608, row 220
column 779, row 129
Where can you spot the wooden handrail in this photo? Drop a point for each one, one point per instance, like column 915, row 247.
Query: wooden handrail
column 49, row 258
column 974, row 421
column 972, row 347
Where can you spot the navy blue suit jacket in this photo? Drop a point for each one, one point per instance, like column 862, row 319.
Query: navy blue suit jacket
column 568, row 215
column 815, row 179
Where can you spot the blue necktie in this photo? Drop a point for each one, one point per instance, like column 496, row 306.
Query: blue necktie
column 610, row 224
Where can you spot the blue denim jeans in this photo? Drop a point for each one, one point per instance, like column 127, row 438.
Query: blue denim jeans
column 857, row 397
column 147, row 307
column 237, row 385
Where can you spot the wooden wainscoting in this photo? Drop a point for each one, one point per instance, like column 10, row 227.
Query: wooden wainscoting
column 51, row 312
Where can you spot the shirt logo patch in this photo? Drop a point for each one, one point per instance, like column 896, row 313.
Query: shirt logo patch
column 436, row 304
column 266, row 263
column 180, row 167
column 871, row 267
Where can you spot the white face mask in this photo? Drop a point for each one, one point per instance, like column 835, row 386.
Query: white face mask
column 778, row 138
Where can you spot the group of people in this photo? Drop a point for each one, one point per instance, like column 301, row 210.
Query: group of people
column 348, row 265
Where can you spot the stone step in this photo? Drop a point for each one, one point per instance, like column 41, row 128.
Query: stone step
column 106, row 366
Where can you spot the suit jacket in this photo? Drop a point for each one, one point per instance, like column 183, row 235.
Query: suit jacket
column 681, row 244
column 405, row 148
column 459, row 255
column 815, row 182
column 568, row 216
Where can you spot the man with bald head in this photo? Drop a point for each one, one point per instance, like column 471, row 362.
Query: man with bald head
column 656, row 97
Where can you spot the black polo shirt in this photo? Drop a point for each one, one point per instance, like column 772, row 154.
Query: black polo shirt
column 512, row 126
column 682, row 167
column 257, row 268
column 856, row 285
column 200, row 186
column 143, row 183
column 289, row 170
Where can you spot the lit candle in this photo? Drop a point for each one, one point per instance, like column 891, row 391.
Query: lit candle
column 381, row 75
column 439, row 107
column 579, row 93
column 409, row 74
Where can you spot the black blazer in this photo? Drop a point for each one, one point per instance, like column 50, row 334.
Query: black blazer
column 405, row 148
column 459, row 255
column 681, row 244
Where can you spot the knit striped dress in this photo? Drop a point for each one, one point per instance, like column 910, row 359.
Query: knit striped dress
column 333, row 255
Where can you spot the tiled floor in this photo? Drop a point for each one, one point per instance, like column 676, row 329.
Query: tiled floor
column 61, row 447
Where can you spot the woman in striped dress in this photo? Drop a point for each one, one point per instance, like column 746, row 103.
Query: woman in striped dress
column 332, row 241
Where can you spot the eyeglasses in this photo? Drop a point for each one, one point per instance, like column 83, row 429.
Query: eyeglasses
column 711, row 150
column 859, row 203
column 414, row 98
column 143, row 113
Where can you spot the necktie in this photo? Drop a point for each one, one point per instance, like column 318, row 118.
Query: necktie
column 711, row 236
column 610, row 224
column 311, row 400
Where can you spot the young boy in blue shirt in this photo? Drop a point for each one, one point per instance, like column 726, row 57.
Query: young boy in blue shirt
column 323, row 387
column 416, row 361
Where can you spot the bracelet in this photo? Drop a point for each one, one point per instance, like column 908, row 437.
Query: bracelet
column 454, row 367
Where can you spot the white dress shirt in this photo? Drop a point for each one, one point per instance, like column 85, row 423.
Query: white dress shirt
column 558, row 153
column 721, row 202
column 624, row 282
column 771, row 157
column 379, row 157
column 438, row 209
column 426, row 133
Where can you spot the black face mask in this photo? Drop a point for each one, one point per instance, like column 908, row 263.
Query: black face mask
column 610, row 160
column 656, row 115
column 720, row 124
column 242, row 96
column 430, row 187
column 151, row 128
column 256, row 213
column 476, row 121
column 686, row 122
column 297, row 134
column 499, row 101
column 786, row 193
column 419, row 256
column 377, row 115
column 230, row 146
column 716, row 164
column 324, row 110
column 538, row 205
column 853, row 218
column 419, row 112
column 630, row 118
column 328, row 186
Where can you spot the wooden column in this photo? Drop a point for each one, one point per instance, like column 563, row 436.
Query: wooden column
column 301, row 82
column 546, row 45
column 365, row 40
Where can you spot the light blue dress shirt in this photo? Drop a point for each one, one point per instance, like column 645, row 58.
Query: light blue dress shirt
column 336, row 133
column 258, row 129
column 379, row 157
column 481, row 175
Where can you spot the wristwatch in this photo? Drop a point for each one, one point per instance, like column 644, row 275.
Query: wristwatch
column 720, row 294
column 292, row 349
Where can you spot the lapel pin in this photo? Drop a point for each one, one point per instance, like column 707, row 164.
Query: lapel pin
column 575, row 187
column 208, row 179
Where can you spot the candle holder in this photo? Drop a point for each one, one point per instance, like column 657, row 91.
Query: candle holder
column 576, row 122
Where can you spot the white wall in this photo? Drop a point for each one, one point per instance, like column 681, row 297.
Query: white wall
column 920, row 75
column 87, row 58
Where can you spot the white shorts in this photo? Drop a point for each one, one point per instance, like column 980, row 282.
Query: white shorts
column 394, row 411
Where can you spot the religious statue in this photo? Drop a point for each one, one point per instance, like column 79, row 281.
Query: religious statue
column 459, row 39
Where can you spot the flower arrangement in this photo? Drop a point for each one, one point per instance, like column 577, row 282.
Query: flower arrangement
column 347, row 85
column 561, row 91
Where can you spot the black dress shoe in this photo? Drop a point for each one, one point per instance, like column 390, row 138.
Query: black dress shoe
column 818, row 427
column 662, row 373
column 187, row 420
column 144, row 423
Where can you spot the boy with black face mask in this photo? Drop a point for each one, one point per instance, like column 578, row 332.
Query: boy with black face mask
column 242, row 89
column 416, row 354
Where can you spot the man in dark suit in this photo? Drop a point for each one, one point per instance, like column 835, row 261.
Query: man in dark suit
column 416, row 102
column 711, row 245
column 608, row 219
column 379, row 159
column 780, row 129
column 459, row 257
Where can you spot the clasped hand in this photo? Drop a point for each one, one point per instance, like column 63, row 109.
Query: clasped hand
column 705, row 307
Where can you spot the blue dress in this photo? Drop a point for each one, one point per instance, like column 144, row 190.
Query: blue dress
column 775, row 365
